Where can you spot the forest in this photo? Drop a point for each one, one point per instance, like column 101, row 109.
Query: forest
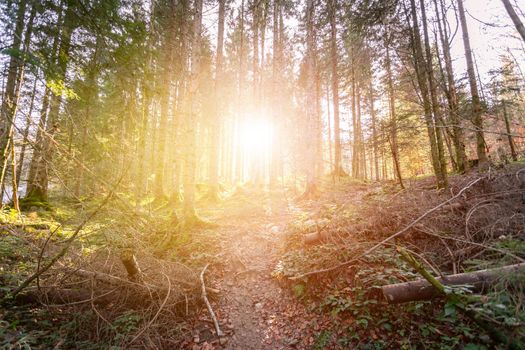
column 262, row 174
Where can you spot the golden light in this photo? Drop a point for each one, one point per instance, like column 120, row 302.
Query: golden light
column 255, row 141
column 256, row 136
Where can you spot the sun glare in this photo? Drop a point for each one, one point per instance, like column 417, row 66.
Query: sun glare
column 256, row 141
column 257, row 135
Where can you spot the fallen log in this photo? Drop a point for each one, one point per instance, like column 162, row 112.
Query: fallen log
column 119, row 281
column 422, row 290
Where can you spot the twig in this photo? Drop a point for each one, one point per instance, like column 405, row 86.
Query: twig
column 397, row 234
column 208, row 305
column 157, row 314
column 91, row 299
column 63, row 252
column 41, row 255
column 484, row 246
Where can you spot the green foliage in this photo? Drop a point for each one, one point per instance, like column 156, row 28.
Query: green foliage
column 408, row 326
column 59, row 88
column 299, row 290
column 323, row 340
column 124, row 325
column 27, row 57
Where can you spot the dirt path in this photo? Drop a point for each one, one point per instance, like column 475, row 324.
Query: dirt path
column 253, row 309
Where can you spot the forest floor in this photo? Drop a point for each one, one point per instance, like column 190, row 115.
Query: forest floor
column 256, row 311
column 258, row 250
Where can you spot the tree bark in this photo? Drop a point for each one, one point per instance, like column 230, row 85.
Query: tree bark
column 373, row 117
column 166, row 79
column 476, row 103
column 216, row 119
column 458, row 137
column 191, row 118
column 332, row 8
column 506, row 117
column 311, row 110
column 38, row 186
column 515, row 19
column 276, row 70
column 442, row 173
column 422, row 290
column 421, row 68
column 25, row 137
column 393, row 117
column 8, row 107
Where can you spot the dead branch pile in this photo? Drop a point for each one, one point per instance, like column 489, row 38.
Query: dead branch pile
column 163, row 294
column 468, row 222
column 131, row 297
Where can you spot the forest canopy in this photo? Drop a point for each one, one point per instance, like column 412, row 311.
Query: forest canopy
column 173, row 93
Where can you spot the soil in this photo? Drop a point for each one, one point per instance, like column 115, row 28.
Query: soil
column 254, row 309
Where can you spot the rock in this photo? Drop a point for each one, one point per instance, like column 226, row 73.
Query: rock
column 258, row 306
column 275, row 229
column 223, row 341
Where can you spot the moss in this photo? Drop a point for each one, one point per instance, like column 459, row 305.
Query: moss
column 35, row 198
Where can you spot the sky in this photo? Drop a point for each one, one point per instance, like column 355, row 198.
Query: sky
column 491, row 32
column 488, row 42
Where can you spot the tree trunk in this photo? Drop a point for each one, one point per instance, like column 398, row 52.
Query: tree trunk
column 276, row 70
column 166, row 79
column 442, row 173
column 329, row 127
column 515, row 19
column 332, row 8
column 216, row 119
column 90, row 101
column 355, row 140
column 191, row 119
column 14, row 180
column 256, row 163
column 311, row 112
column 37, row 188
column 458, row 137
column 476, row 103
column 421, row 68
column 373, row 117
column 236, row 149
column 393, row 117
column 506, row 117
column 27, row 42
column 8, row 108
column 25, row 136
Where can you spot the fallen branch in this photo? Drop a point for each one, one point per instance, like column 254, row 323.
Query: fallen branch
column 119, row 281
column 386, row 240
column 208, row 305
column 460, row 303
column 63, row 252
column 156, row 314
column 61, row 297
column 423, row 290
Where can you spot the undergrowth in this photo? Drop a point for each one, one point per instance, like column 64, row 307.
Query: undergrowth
column 161, row 248
column 352, row 295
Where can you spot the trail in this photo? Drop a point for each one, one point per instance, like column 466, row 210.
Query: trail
column 255, row 311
